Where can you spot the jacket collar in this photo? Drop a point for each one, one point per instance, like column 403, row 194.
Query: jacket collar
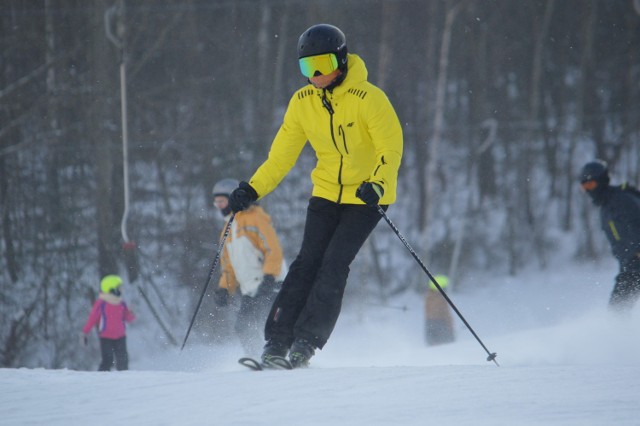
column 111, row 299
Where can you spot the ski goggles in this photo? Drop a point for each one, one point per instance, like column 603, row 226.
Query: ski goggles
column 589, row 185
column 324, row 64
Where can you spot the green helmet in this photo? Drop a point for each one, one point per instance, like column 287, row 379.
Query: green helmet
column 443, row 280
column 110, row 282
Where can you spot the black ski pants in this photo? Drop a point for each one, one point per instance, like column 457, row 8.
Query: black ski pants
column 251, row 316
column 114, row 347
column 626, row 290
column 308, row 305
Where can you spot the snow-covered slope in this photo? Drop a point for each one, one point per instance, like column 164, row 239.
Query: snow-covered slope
column 564, row 360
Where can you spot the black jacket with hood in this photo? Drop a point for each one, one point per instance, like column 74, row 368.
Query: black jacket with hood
column 620, row 220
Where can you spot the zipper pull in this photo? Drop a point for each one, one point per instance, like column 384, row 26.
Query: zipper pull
column 326, row 103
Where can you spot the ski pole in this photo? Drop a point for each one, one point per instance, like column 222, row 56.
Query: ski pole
column 206, row 284
column 492, row 355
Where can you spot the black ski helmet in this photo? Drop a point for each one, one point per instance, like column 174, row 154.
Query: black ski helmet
column 595, row 170
column 324, row 38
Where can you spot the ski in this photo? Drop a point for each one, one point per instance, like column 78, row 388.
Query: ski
column 250, row 363
column 275, row 363
column 278, row 363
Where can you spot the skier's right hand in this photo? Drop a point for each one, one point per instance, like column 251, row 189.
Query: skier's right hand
column 242, row 197
column 370, row 193
column 84, row 340
column 221, row 297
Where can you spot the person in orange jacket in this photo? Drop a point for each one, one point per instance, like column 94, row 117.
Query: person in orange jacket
column 439, row 322
column 252, row 265
column 109, row 314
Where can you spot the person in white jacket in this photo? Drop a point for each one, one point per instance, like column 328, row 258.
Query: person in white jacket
column 252, row 264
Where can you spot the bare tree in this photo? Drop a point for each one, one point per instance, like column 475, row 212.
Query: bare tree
column 434, row 147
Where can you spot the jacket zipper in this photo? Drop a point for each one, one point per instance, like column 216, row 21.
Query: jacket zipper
column 329, row 108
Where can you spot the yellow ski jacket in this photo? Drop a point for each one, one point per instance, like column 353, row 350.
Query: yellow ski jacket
column 251, row 251
column 354, row 131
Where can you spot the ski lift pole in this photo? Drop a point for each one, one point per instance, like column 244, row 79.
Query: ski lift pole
column 117, row 38
column 118, row 41
column 492, row 355
column 206, row 284
column 125, row 150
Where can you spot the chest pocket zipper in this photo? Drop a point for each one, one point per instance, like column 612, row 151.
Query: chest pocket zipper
column 344, row 138
column 327, row 105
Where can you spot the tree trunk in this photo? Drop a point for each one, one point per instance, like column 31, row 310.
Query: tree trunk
column 422, row 147
column 585, row 67
column 432, row 162
column 535, row 129
column 103, row 135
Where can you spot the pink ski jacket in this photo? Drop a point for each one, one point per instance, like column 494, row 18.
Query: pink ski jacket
column 110, row 313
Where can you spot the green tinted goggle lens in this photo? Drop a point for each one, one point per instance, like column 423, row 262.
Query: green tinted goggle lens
column 324, row 64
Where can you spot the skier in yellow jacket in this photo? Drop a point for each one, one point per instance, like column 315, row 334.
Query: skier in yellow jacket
column 357, row 138
column 252, row 265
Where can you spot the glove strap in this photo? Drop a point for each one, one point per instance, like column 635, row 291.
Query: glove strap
column 378, row 189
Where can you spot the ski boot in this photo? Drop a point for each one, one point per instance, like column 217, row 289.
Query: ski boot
column 300, row 353
column 273, row 349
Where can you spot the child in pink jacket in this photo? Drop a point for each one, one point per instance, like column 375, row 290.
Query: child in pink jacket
column 110, row 313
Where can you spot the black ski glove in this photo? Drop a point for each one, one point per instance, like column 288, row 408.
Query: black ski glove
column 221, row 297
column 242, row 197
column 267, row 287
column 370, row 193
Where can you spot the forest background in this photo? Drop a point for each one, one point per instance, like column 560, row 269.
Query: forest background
column 501, row 104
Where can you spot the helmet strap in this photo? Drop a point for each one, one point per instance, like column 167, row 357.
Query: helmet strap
column 337, row 81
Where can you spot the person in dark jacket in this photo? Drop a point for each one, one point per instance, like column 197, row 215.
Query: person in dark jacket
column 357, row 139
column 620, row 220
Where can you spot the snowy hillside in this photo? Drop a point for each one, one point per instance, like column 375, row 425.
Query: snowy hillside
column 563, row 361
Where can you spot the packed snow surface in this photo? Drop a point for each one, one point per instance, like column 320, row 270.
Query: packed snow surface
column 564, row 360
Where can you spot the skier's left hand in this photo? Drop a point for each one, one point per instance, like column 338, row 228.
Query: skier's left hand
column 84, row 340
column 267, row 287
column 221, row 297
column 370, row 193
